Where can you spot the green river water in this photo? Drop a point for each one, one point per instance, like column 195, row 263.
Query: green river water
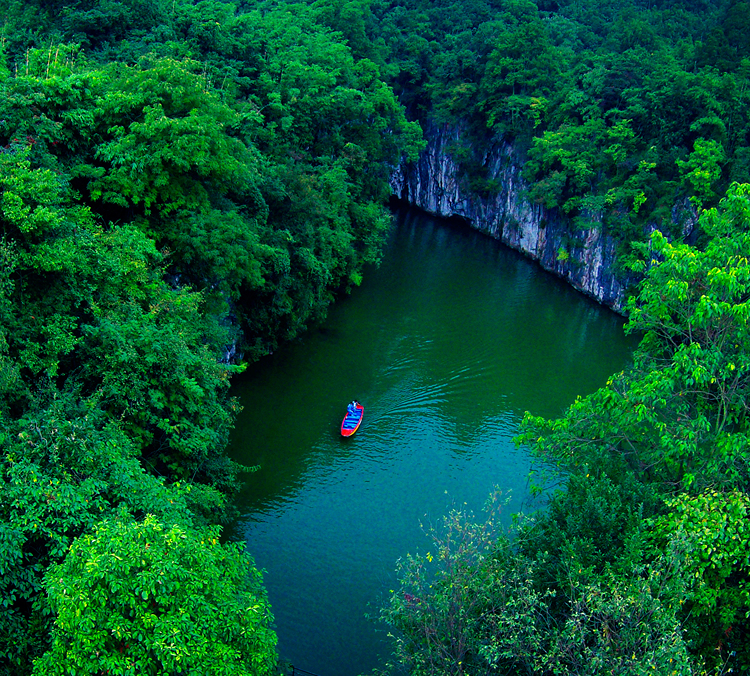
column 446, row 344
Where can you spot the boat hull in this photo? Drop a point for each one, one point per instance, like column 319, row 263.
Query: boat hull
column 351, row 422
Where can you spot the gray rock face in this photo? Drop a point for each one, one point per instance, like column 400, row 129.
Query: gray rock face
column 585, row 258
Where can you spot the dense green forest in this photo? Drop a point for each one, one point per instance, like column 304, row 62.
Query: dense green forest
column 623, row 110
column 180, row 184
column 186, row 185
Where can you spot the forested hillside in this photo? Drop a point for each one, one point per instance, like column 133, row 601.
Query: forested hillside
column 623, row 109
column 186, row 185
column 181, row 184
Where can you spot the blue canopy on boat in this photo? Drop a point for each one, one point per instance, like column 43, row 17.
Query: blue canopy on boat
column 351, row 420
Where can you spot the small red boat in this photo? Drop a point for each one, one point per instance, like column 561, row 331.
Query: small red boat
column 352, row 420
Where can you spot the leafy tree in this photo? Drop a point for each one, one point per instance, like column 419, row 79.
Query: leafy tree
column 150, row 597
column 521, row 72
column 63, row 467
column 703, row 168
column 678, row 419
column 590, row 523
column 681, row 415
column 152, row 152
column 713, row 527
column 478, row 606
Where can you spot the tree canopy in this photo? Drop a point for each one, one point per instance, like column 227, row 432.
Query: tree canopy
column 182, row 187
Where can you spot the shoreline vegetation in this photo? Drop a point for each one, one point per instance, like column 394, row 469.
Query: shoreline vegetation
column 181, row 181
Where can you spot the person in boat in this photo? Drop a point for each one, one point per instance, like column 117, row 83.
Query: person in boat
column 352, row 408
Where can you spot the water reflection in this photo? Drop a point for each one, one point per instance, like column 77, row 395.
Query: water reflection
column 446, row 344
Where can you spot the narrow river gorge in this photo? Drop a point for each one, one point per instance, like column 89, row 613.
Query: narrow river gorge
column 446, row 344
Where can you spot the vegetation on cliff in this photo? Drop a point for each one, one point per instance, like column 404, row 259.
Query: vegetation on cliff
column 622, row 109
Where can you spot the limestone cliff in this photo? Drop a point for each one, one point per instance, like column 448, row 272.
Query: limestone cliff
column 584, row 258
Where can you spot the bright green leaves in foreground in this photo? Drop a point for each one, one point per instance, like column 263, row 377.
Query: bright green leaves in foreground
column 63, row 467
column 715, row 528
column 149, row 598
column 680, row 416
column 678, row 420
column 66, row 466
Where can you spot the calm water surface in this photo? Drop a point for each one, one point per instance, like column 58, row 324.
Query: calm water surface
column 446, row 345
